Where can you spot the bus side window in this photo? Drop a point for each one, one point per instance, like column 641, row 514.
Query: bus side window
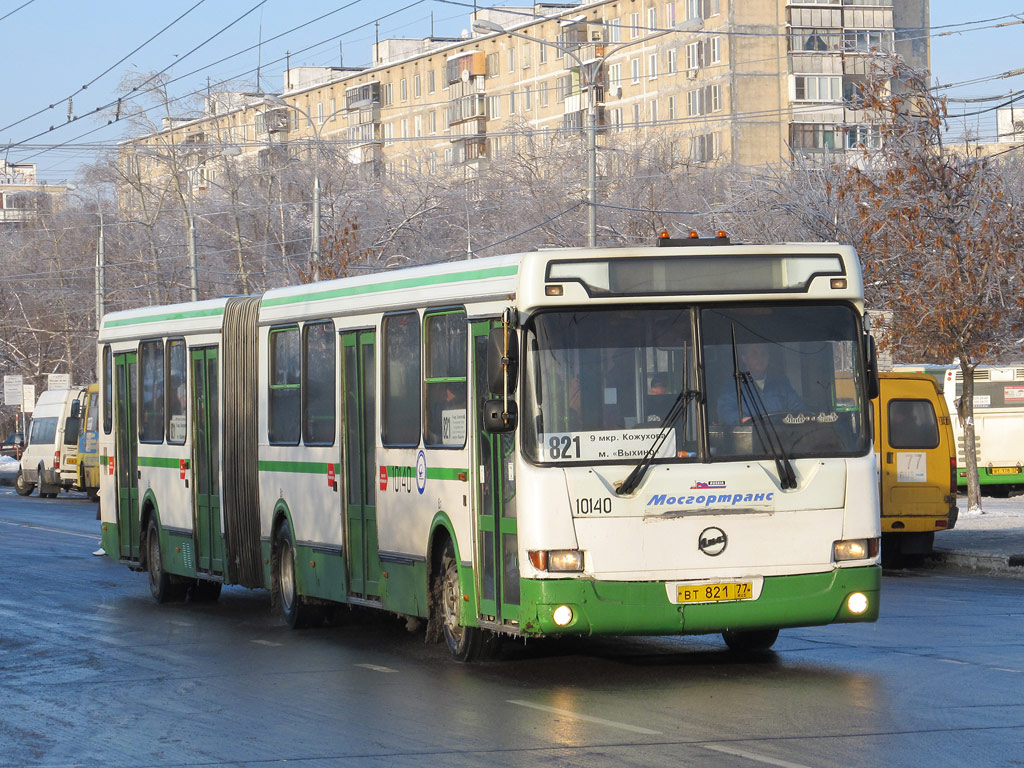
column 151, row 399
column 912, row 424
column 400, row 412
column 285, row 386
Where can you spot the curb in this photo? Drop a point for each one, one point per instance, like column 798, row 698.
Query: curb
column 980, row 562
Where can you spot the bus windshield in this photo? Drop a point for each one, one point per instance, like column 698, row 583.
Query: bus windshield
column 600, row 385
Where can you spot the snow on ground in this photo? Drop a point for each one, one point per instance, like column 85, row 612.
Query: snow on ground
column 996, row 513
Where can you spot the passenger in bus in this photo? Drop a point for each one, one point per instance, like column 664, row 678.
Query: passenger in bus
column 445, row 400
column 659, row 399
column 776, row 392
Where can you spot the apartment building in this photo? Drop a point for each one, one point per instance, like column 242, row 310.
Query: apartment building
column 23, row 195
column 745, row 82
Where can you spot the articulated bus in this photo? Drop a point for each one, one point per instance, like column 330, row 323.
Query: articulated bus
column 566, row 441
column 998, row 424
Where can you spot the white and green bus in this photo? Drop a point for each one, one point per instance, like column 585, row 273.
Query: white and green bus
column 647, row 440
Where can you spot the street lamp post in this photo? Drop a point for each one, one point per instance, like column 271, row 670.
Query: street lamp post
column 314, row 250
column 100, row 277
column 591, row 73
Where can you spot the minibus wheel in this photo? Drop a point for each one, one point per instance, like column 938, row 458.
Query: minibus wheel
column 23, row 486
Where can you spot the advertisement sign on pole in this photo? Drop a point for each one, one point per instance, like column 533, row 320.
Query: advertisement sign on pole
column 28, row 398
column 13, row 389
column 58, row 380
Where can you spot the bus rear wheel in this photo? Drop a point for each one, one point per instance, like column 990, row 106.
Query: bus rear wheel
column 464, row 643
column 751, row 640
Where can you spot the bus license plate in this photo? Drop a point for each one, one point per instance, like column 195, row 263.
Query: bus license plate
column 714, row 593
column 1004, row 471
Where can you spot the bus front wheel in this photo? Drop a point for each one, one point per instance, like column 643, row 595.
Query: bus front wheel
column 464, row 643
column 164, row 587
column 751, row 640
column 297, row 612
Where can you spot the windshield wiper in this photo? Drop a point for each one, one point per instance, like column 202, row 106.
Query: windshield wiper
column 679, row 406
column 748, row 392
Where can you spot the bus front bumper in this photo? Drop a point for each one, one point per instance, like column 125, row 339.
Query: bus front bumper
column 643, row 608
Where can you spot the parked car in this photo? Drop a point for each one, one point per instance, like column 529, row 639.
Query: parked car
column 13, row 445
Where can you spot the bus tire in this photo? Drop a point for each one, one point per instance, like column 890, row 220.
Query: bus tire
column 23, row 486
column 750, row 640
column 295, row 609
column 464, row 643
column 164, row 587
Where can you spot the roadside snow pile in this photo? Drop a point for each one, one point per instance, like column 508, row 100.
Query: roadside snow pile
column 8, row 469
column 996, row 513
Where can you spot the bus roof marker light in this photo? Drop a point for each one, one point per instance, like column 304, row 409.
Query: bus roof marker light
column 694, row 234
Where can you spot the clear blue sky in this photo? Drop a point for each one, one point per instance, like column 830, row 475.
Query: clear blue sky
column 54, row 47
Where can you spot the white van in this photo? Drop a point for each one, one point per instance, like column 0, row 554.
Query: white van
column 52, row 442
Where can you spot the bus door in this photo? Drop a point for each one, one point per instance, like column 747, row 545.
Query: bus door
column 358, row 379
column 209, row 540
column 126, row 373
column 497, row 530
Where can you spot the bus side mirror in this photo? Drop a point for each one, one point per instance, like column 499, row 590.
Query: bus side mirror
column 497, row 420
column 502, row 369
column 872, row 368
column 76, row 409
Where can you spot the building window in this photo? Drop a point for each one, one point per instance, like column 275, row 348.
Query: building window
column 416, row 87
column 693, row 56
column 810, row 39
column 817, row 88
column 695, row 103
column 670, row 14
column 714, row 98
column 715, row 46
column 654, row 110
column 177, row 395
column 693, row 9
column 865, row 40
column 433, row 122
column 672, row 108
column 714, row 7
column 511, row 59
column 652, row 19
column 634, row 66
column 491, row 65
column 389, row 96
column 320, row 113
column 527, row 56
column 634, row 26
column 670, row 60
column 543, row 95
column 151, row 398
column 527, row 98
column 615, row 75
column 444, row 382
column 431, row 85
column 652, row 66
column 400, row 417
column 636, row 115
column 866, row 136
column 403, row 90
column 813, row 137
column 284, row 397
column 512, row 102
column 704, row 148
column 318, row 383
column 493, row 107
column 615, row 31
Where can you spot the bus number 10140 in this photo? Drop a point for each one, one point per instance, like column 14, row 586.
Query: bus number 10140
column 594, row 506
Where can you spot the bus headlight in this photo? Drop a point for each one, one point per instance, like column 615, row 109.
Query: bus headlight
column 557, row 560
column 562, row 615
column 855, row 549
column 857, row 603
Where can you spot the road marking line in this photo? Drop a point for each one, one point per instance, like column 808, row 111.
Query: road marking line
column 753, row 756
column 51, row 530
column 954, row 661
column 587, row 718
column 1005, row 669
column 266, row 642
column 376, row 668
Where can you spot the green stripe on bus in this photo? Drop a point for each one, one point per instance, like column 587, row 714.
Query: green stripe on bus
column 183, row 315
column 297, row 467
column 160, row 461
column 394, row 285
column 446, row 473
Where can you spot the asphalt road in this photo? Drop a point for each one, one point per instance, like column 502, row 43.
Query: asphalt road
column 93, row 672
